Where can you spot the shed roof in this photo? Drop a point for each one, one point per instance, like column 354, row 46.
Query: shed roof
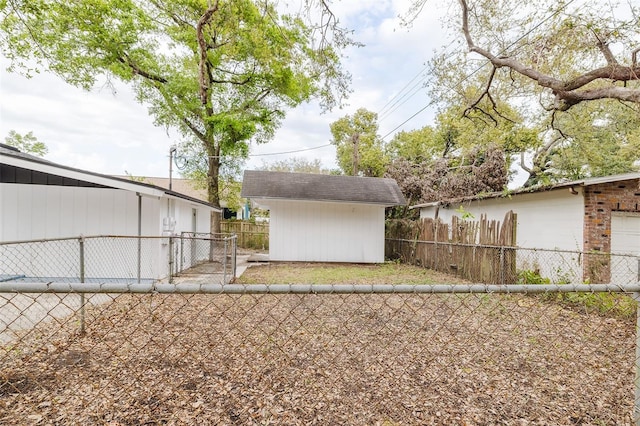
column 533, row 189
column 12, row 159
column 318, row 187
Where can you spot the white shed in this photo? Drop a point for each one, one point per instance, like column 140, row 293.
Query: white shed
column 44, row 200
column 590, row 215
column 323, row 218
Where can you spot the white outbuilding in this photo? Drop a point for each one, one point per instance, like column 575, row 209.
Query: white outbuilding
column 42, row 200
column 323, row 218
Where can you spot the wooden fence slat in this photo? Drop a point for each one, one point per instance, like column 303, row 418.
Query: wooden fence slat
column 250, row 235
column 479, row 251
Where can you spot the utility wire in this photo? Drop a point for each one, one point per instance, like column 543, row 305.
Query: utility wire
column 381, row 111
column 290, row 152
column 400, row 99
column 485, row 64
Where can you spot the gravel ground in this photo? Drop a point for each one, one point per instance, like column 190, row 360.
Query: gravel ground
column 325, row 360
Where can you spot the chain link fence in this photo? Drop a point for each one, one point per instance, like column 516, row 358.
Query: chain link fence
column 119, row 258
column 188, row 353
column 194, row 351
column 508, row 265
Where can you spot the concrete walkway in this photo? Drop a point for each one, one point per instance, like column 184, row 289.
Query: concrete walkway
column 208, row 273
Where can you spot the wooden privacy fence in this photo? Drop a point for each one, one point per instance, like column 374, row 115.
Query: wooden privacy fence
column 250, row 235
column 479, row 251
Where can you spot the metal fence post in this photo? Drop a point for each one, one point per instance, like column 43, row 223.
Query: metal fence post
column 224, row 261
column 170, row 260
column 139, row 268
column 234, row 250
column 181, row 268
column 636, row 382
column 82, row 301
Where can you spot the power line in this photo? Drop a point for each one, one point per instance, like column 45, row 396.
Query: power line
column 409, row 119
column 380, row 112
column 400, row 99
column 518, row 40
column 290, row 152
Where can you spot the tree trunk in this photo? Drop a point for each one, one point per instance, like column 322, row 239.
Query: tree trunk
column 213, row 186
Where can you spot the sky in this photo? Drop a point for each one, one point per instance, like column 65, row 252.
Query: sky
column 106, row 130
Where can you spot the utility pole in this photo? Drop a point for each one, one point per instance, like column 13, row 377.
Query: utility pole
column 356, row 140
column 172, row 151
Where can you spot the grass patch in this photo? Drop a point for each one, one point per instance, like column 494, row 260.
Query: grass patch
column 611, row 304
column 614, row 304
column 341, row 273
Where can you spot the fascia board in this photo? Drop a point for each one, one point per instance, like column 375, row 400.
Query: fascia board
column 80, row 175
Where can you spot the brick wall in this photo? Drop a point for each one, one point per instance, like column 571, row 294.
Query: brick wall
column 599, row 201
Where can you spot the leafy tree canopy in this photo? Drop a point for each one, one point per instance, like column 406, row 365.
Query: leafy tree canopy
column 295, row 165
column 26, row 143
column 592, row 139
column 562, row 64
column 220, row 72
column 359, row 148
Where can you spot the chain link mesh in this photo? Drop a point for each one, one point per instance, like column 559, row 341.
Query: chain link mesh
column 118, row 259
column 389, row 358
column 313, row 359
column 510, row 265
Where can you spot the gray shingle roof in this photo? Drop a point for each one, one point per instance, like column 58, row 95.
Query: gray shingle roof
column 318, row 187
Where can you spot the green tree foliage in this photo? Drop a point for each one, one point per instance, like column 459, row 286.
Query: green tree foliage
column 592, row 139
column 220, row 72
column 295, row 165
column 359, row 148
column 560, row 51
column 558, row 62
column 415, row 145
column 462, row 156
column 26, row 143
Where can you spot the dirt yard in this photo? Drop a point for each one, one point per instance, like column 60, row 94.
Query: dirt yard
column 324, row 359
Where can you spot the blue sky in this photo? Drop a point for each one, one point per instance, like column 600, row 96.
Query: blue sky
column 107, row 131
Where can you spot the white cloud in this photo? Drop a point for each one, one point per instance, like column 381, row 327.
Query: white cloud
column 111, row 133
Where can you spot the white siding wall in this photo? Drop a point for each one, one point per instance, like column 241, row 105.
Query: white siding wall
column 625, row 239
column 33, row 212
column 550, row 220
column 326, row 232
column 41, row 211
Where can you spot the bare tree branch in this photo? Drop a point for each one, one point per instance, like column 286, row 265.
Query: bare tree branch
column 139, row 71
column 608, row 55
column 566, row 92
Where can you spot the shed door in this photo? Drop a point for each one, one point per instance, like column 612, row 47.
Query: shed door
column 625, row 239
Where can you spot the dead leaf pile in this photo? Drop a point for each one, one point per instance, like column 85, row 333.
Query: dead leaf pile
column 323, row 359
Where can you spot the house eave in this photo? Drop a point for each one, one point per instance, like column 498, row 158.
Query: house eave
column 264, row 201
column 536, row 189
column 48, row 167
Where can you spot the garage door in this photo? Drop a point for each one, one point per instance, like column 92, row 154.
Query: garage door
column 625, row 239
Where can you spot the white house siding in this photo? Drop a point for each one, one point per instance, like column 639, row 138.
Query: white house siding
column 326, row 232
column 35, row 212
column 549, row 220
column 39, row 211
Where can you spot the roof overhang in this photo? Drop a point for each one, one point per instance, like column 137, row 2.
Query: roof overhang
column 267, row 202
column 98, row 179
column 536, row 189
